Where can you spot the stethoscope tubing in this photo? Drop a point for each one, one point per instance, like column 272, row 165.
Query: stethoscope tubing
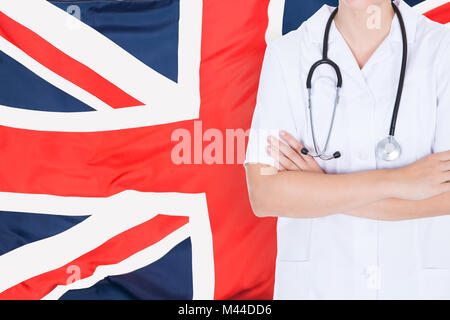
column 321, row 153
column 326, row 61
column 402, row 71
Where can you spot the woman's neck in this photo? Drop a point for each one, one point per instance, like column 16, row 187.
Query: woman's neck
column 364, row 29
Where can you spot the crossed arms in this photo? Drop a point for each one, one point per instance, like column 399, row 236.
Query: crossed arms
column 300, row 189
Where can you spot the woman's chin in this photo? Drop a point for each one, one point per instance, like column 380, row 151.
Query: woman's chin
column 361, row 4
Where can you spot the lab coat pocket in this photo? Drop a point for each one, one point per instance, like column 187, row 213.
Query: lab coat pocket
column 434, row 236
column 434, row 275
column 294, row 239
column 291, row 281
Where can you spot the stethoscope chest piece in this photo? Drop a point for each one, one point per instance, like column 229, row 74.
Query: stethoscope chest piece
column 388, row 149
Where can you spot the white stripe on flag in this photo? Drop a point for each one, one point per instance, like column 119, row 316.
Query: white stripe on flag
column 133, row 263
column 275, row 25
column 429, row 5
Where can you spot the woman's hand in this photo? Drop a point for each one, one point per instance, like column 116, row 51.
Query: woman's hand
column 424, row 178
column 421, row 180
column 288, row 156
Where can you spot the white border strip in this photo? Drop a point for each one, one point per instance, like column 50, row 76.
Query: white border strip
column 92, row 121
column 275, row 14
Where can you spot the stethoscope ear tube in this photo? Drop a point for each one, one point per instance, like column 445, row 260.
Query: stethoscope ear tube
column 318, row 151
column 336, row 155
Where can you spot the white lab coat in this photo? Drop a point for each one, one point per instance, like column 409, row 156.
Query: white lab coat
column 339, row 256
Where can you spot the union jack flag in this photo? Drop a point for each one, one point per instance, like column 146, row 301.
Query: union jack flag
column 91, row 205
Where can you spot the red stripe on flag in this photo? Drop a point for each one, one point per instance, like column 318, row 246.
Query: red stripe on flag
column 440, row 14
column 57, row 61
column 111, row 252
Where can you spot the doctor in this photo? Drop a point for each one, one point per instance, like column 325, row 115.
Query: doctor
column 369, row 218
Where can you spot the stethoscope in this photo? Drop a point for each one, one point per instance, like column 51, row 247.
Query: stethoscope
column 387, row 149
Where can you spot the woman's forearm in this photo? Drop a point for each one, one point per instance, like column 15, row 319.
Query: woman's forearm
column 305, row 194
column 398, row 209
column 299, row 188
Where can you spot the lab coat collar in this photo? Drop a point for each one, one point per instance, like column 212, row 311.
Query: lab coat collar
column 316, row 24
column 410, row 17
